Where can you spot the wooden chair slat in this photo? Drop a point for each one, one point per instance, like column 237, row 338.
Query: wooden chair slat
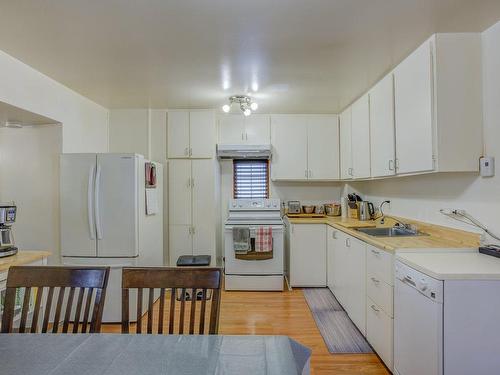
column 78, row 311
column 26, row 307
column 201, row 330
column 161, row 312
column 181, row 314
column 175, row 279
column 150, row 310
column 86, row 313
column 69, row 306
column 139, row 311
column 171, row 320
column 57, row 316
column 125, row 312
column 36, row 311
column 192, row 315
column 95, row 323
column 8, row 311
column 48, row 307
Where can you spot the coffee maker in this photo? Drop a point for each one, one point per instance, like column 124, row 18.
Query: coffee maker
column 7, row 218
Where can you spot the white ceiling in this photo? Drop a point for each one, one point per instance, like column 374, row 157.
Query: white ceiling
column 297, row 55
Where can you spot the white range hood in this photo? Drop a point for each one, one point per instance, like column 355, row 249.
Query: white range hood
column 244, row 151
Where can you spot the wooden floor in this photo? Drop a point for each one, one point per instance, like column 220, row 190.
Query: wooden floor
column 287, row 313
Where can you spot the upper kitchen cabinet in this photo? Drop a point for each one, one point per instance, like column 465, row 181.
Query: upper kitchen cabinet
column 438, row 112
column 305, row 147
column 382, row 140
column 191, row 134
column 345, row 145
column 289, row 141
column 237, row 129
column 323, row 147
column 360, row 141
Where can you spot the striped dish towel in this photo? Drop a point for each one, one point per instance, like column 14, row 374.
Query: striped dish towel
column 264, row 239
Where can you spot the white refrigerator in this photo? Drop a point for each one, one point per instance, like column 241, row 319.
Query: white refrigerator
column 103, row 203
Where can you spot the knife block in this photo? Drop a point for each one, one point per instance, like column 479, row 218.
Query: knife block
column 353, row 210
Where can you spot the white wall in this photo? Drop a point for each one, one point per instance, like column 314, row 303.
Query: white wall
column 29, row 176
column 421, row 197
column 85, row 123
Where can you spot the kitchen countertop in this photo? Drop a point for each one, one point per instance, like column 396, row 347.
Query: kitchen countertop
column 22, row 257
column 454, row 265
column 438, row 237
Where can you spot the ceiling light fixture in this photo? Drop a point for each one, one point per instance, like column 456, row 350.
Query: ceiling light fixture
column 245, row 103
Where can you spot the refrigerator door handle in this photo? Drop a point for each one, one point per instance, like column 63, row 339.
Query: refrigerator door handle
column 97, row 203
column 90, row 213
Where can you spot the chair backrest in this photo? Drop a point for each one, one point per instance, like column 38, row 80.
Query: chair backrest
column 203, row 285
column 34, row 280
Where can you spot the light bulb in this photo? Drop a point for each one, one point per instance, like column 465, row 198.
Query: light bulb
column 247, row 112
column 254, row 106
column 226, row 108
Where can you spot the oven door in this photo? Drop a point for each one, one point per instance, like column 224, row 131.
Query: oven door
column 273, row 266
column 5, row 238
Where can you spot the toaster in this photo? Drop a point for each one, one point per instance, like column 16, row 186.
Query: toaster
column 294, row 207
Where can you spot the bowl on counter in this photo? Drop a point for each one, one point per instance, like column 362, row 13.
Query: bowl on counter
column 332, row 209
column 308, row 209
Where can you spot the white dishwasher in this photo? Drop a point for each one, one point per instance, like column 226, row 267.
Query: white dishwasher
column 418, row 323
column 446, row 309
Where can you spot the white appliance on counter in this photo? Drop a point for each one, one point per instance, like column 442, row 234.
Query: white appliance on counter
column 103, row 217
column 446, row 324
column 254, row 274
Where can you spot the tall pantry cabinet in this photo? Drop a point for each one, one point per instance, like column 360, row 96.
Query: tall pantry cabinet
column 192, row 184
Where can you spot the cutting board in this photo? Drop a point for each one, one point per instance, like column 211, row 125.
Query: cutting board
column 356, row 224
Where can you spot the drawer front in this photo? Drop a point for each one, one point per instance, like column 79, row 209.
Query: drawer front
column 379, row 332
column 381, row 293
column 380, row 264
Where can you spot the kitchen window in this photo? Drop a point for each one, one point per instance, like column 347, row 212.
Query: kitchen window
column 250, row 178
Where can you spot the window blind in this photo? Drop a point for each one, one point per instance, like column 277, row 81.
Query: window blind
column 250, row 178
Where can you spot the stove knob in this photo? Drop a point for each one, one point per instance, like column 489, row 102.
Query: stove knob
column 423, row 286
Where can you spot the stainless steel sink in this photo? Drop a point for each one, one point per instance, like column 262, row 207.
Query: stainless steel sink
column 391, row 232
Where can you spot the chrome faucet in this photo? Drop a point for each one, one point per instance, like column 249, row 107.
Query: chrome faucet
column 399, row 223
column 382, row 220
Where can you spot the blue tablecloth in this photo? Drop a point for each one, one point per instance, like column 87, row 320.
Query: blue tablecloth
column 116, row 354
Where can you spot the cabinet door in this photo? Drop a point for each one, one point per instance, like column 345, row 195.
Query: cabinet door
column 232, row 129
column 356, row 306
column 323, row 147
column 179, row 192
column 202, row 134
column 178, row 134
column 382, row 142
column 308, row 255
column 180, row 242
column 340, row 270
column 331, row 258
column 203, row 182
column 345, row 145
column 289, row 140
column 413, row 80
column 258, row 130
column 360, row 122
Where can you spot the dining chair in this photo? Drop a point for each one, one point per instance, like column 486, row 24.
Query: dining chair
column 82, row 281
column 201, row 285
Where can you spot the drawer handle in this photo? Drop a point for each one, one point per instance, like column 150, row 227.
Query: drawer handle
column 375, row 280
column 374, row 308
column 375, row 252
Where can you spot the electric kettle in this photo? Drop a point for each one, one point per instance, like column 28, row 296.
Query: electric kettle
column 366, row 210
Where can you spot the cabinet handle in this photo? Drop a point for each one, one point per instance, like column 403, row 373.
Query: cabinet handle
column 246, row 136
column 193, row 231
column 350, row 171
column 396, row 164
column 190, row 151
column 242, row 136
column 189, row 183
column 348, row 242
column 310, row 173
column 305, row 173
column 374, row 308
column 190, row 231
column 192, row 182
column 186, row 151
column 334, row 235
column 375, row 280
column 375, row 252
column 391, row 165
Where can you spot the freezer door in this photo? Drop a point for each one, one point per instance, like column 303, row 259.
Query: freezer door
column 77, row 178
column 116, row 205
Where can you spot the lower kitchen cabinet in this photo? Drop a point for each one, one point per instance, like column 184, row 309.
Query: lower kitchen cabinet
column 356, row 282
column 379, row 331
column 307, row 252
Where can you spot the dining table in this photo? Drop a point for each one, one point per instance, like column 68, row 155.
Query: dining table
column 127, row 354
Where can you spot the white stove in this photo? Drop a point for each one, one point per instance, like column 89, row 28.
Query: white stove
column 252, row 274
